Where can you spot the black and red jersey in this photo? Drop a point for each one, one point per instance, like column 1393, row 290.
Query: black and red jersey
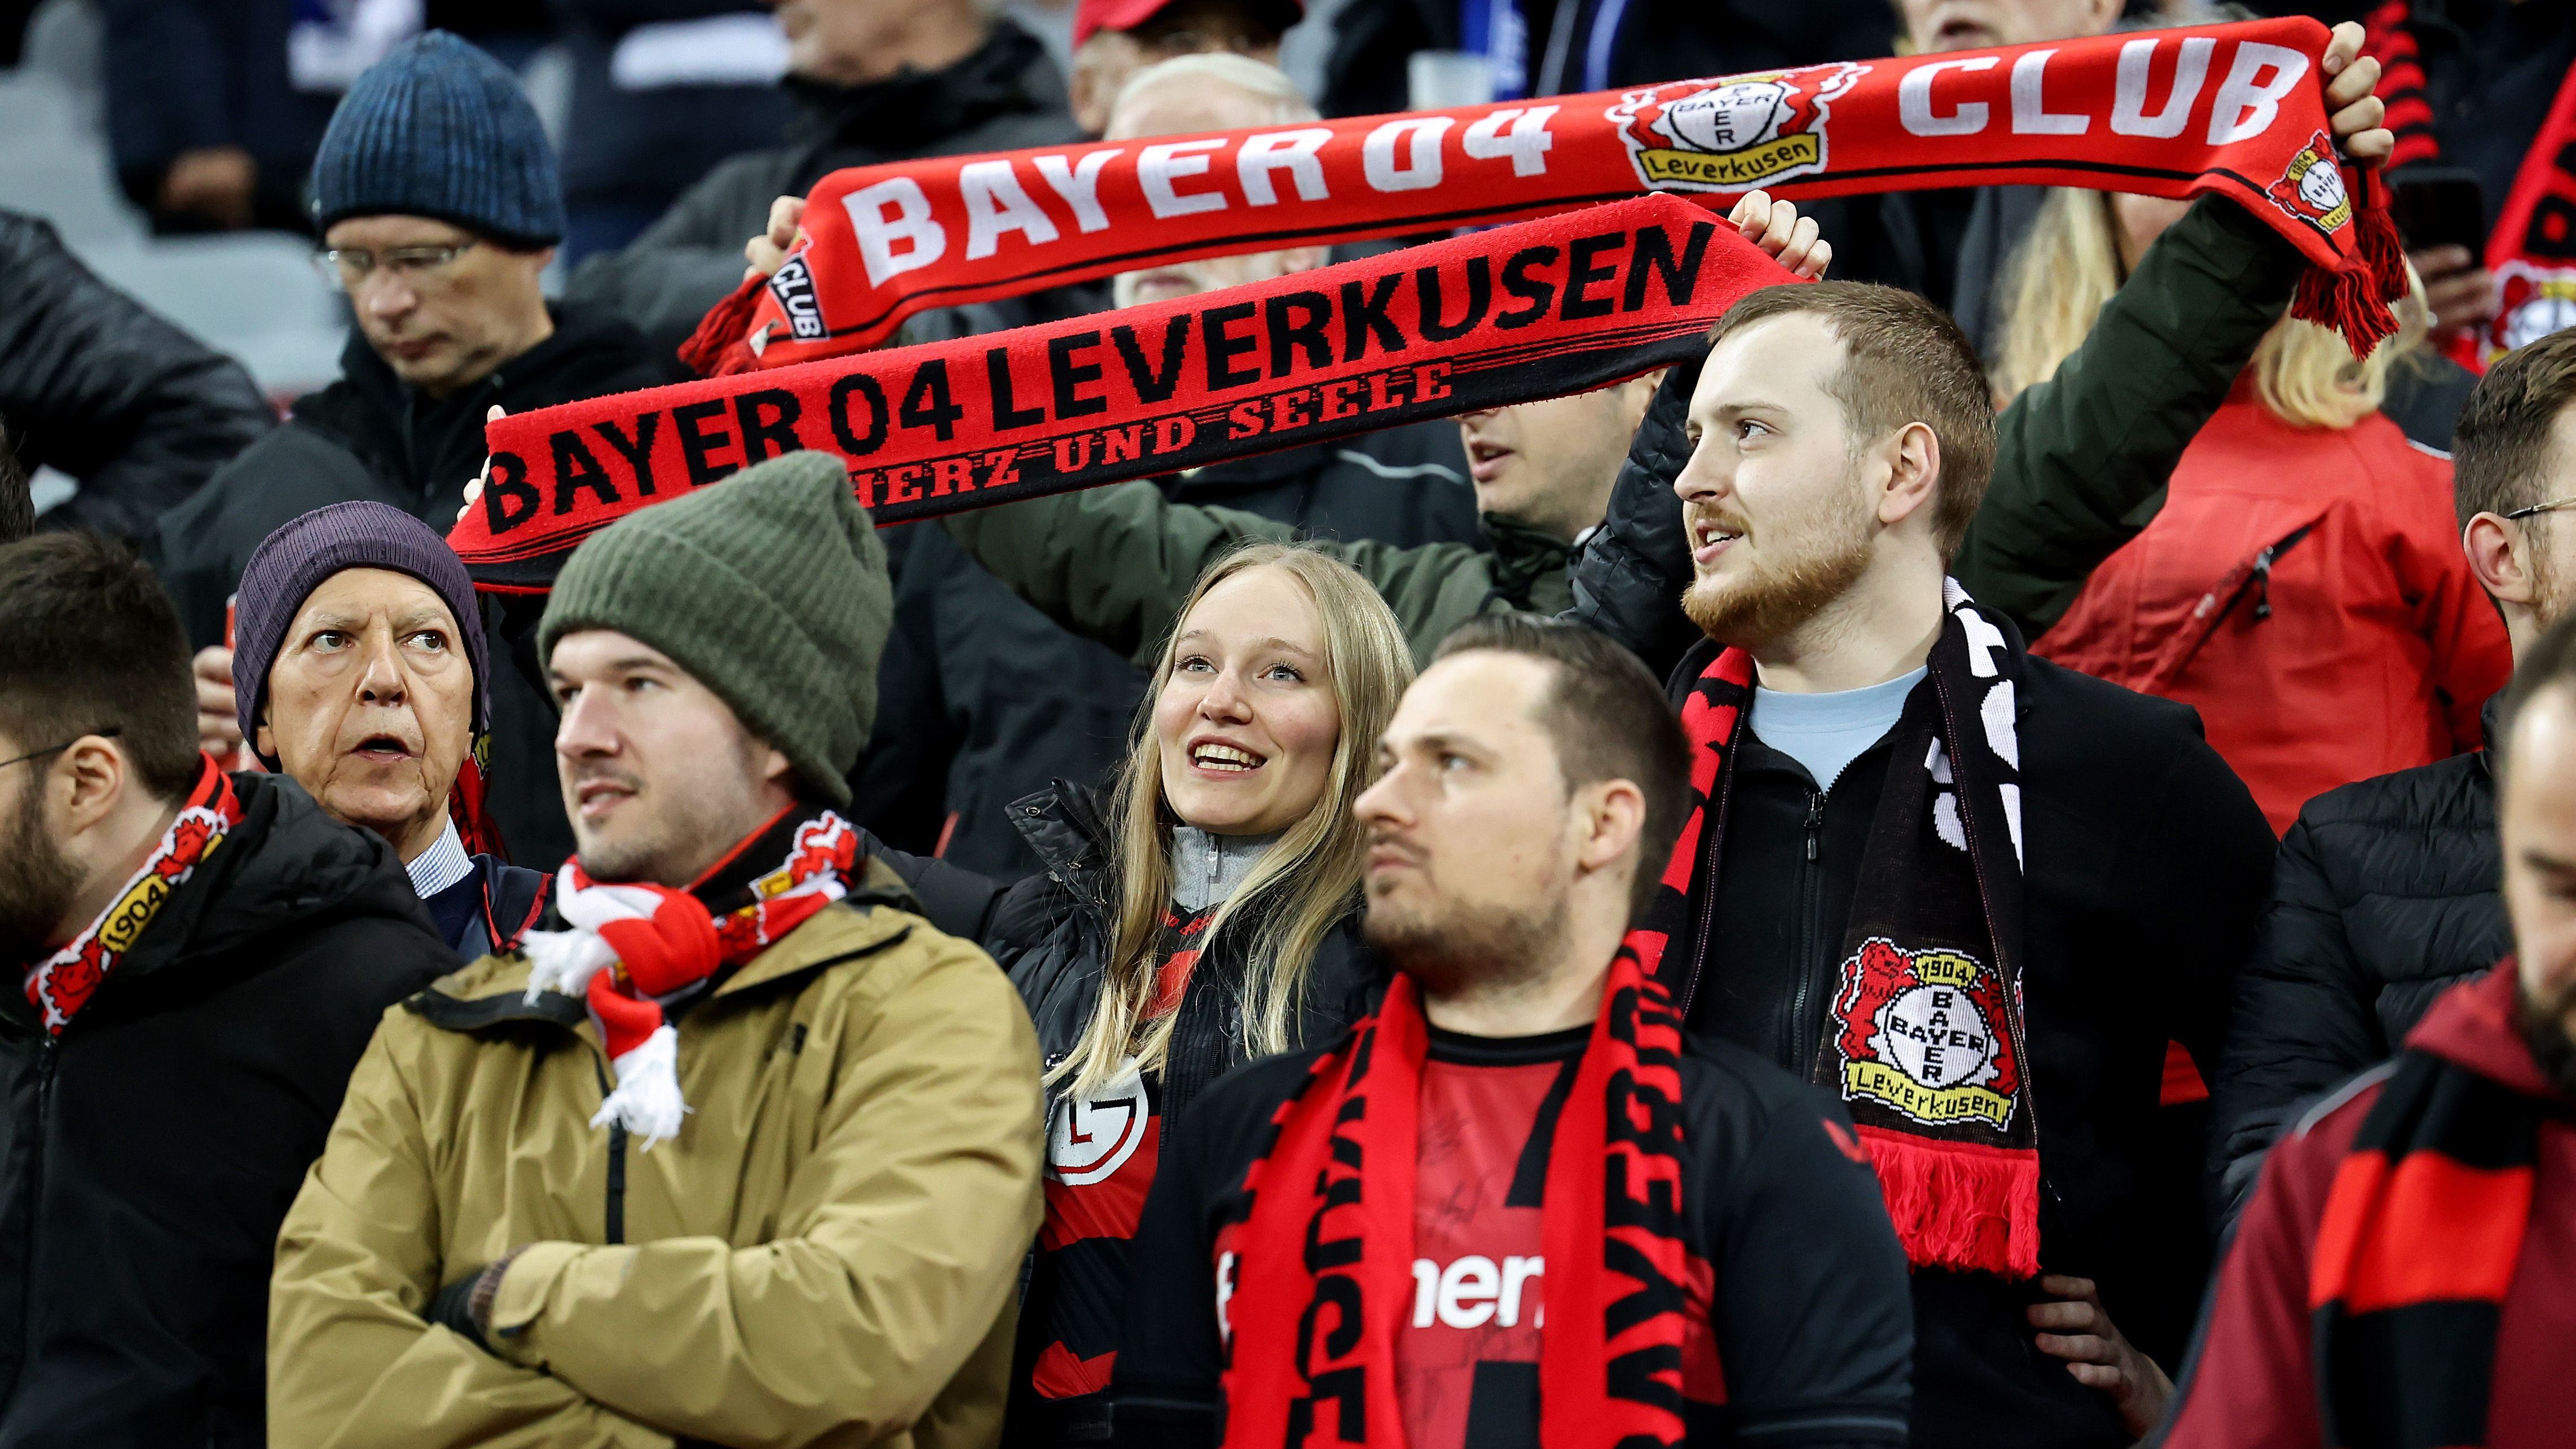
column 1796, row 1284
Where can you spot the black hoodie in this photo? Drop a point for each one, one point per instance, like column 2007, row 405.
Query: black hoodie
column 148, row 1154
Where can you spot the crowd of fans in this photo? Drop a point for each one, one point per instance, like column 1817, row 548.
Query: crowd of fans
column 2023, row 803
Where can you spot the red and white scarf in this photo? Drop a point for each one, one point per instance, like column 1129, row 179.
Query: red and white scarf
column 2236, row 109
column 1324, row 1271
column 61, row 984
column 635, row 947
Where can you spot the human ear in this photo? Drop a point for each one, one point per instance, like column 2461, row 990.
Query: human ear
column 1614, row 815
column 2496, row 555
column 1913, row 473
column 99, row 775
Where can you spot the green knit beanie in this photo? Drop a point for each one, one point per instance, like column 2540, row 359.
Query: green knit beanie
column 768, row 588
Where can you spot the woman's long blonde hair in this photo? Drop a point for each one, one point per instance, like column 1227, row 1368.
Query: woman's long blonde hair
column 2070, row 265
column 1302, row 886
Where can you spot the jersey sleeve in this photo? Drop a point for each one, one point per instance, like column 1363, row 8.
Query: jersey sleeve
column 1812, row 1310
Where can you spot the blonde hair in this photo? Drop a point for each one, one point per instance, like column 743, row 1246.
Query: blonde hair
column 1302, row 887
column 2070, row 265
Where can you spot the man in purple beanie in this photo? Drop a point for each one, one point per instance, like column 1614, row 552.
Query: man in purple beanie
column 353, row 677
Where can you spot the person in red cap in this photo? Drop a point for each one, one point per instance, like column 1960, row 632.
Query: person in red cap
column 1114, row 39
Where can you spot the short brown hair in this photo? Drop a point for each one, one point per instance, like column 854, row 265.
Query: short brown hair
column 1608, row 720
column 2501, row 447
column 1904, row 361
column 89, row 642
column 17, row 505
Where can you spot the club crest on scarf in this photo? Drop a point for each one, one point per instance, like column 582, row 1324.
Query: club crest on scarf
column 2311, row 187
column 61, row 984
column 1735, row 133
column 1922, row 1033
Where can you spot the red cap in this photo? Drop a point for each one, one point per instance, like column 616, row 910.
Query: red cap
column 1092, row 16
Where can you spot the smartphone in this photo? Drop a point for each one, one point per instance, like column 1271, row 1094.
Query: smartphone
column 2438, row 206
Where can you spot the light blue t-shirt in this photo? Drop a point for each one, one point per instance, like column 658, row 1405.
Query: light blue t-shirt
column 1826, row 732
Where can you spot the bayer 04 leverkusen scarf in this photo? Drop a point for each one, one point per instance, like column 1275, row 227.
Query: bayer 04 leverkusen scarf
column 2419, row 1239
column 1325, row 1270
column 1561, row 305
column 1924, row 1041
column 2235, row 109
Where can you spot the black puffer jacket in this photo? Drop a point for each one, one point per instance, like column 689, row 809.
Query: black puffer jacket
column 148, row 1154
column 97, row 386
column 2384, row 896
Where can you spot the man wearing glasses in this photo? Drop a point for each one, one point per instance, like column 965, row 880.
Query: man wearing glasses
column 194, row 962
column 437, row 199
column 2385, row 893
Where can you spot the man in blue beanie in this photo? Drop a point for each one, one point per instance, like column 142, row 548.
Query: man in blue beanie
column 438, row 203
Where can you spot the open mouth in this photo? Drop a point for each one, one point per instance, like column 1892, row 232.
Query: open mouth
column 383, row 749
column 1963, row 34
column 1708, row 540
column 1485, row 460
column 1218, row 758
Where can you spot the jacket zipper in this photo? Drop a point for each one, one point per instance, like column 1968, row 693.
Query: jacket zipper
column 46, row 1056
column 2263, row 570
column 613, row 1215
column 1810, row 901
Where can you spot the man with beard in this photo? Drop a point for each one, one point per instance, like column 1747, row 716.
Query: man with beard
column 198, row 961
column 2406, row 1272
column 1522, row 1122
column 1973, row 892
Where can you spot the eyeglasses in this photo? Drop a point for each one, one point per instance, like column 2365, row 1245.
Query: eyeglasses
column 106, row 734
column 348, row 268
column 2550, row 507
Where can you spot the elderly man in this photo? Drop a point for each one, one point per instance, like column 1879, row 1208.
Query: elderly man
column 356, row 676
column 436, row 195
column 826, row 1247
column 1114, row 40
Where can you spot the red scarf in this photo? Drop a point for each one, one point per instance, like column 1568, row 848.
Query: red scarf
column 61, row 984
column 1542, row 309
column 1325, row 1269
column 2237, row 109
column 635, row 947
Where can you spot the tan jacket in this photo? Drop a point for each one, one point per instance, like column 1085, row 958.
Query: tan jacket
column 827, row 1254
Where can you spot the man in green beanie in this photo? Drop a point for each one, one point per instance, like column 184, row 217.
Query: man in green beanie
column 748, row 1150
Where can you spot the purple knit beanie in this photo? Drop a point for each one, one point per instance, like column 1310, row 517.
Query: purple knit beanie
column 291, row 563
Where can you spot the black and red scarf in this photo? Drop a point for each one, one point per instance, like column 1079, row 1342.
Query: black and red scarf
column 1324, row 1272
column 2422, row 1229
column 1924, row 1042
column 62, row 983
column 635, row 947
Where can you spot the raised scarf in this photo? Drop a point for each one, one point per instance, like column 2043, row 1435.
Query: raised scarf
column 636, row 948
column 1562, row 305
column 2531, row 253
column 1324, row 1273
column 2422, row 1228
column 2237, row 109
column 1923, row 1040
column 62, row 983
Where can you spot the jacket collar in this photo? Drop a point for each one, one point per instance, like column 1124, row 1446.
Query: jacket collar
column 1524, row 557
column 2471, row 1026
column 1067, row 825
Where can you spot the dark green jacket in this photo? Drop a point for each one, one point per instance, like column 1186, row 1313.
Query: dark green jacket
column 2080, row 466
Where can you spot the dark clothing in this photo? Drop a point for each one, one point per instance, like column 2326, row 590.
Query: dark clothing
column 1005, row 96
column 1051, row 933
column 371, row 435
column 2385, row 896
column 2426, row 391
column 2491, row 69
column 96, row 385
column 982, row 699
column 2145, row 864
column 1955, row 247
column 187, row 75
column 1804, row 1305
column 148, row 1154
column 505, row 901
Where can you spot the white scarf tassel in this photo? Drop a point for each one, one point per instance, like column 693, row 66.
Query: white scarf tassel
column 647, row 1101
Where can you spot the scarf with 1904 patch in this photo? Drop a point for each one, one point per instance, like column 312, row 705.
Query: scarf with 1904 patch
column 1325, row 1270
column 1924, row 1040
column 636, row 947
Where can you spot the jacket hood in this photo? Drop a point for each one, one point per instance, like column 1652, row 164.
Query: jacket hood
column 2471, row 1025
column 1009, row 73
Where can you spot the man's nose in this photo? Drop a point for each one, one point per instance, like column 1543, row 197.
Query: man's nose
column 1704, row 476
column 585, row 728
column 382, row 681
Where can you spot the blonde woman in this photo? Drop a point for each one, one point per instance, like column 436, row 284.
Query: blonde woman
column 2302, row 584
column 1200, row 911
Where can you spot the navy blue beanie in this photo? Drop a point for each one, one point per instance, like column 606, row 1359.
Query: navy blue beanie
column 439, row 129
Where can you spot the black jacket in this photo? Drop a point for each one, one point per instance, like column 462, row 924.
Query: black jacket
column 99, row 387
column 982, row 699
column 2147, row 863
column 2385, row 896
column 371, row 435
column 148, row 1154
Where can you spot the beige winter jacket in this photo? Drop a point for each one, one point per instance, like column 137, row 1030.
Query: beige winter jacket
column 827, row 1254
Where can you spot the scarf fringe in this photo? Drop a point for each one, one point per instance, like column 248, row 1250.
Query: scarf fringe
column 2354, row 299
column 1939, row 1194
column 647, row 1102
column 720, row 347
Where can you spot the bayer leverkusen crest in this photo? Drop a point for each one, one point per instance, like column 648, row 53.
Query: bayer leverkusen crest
column 1734, row 133
column 1924, row 1035
column 2311, row 188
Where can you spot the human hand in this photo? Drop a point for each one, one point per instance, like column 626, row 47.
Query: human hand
column 218, row 716
column 2460, row 292
column 1776, row 227
column 768, row 250
column 474, row 485
column 2076, row 1329
column 213, row 183
column 2353, row 113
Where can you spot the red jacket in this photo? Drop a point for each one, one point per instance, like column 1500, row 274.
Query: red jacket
column 2304, row 589
column 2253, row 1381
